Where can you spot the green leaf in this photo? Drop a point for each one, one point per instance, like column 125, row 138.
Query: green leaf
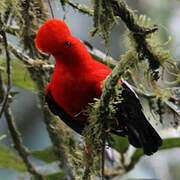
column 137, row 155
column 119, row 143
column 55, row 176
column 3, row 136
column 170, row 143
column 13, row 93
column 9, row 159
column 167, row 144
column 46, row 155
column 20, row 76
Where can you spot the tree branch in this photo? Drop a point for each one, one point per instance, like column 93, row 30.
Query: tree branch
column 139, row 32
column 103, row 157
column 109, row 61
column 96, row 54
column 26, row 59
column 121, row 9
column 8, row 68
column 53, row 125
column 23, row 152
column 81, row 8
column 54, row 130
column 51, row 9
column 15, row 135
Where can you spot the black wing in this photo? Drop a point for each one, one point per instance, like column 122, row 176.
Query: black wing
column 129, row 112
column 57, row 110
column 139, row 130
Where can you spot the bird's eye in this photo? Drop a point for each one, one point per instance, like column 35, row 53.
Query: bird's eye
column 68, row 44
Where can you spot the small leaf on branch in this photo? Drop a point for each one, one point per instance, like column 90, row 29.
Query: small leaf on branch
column 47, row 155
column 8, row 159
column 119, row 143
column 55, row 176
column 20, row 76
column 168, row 143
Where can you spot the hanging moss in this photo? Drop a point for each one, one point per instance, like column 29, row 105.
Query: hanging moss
column 101, row 112
column 103, row 18
column 29, row 14
column 2, row 5
column 142, row 63
column 63, row 3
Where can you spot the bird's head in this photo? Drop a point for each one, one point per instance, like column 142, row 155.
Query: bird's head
column 54, row 37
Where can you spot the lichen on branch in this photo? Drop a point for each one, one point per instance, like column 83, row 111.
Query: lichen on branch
column 100, row 116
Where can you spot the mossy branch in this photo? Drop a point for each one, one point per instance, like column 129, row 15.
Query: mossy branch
column 23, row 152
column 56, row 133
column 8, row 67
column 81, row 8
column 39, row 73
column 118, row 8
column 139, row 32
column 28, row 15
column 17, row 141
column 98, row 55
column 28, row 61
column 53, row 125
column 100, row 117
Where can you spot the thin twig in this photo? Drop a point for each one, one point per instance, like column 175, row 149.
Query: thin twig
column 17, row 141
column 8, row 67
column 139, row 32
column 87, row 172
column 143, row 94
column 23, row 152
column 26, row 59
column 103, row 156
column 51, row 9
column 81, row 8
column 1, row 86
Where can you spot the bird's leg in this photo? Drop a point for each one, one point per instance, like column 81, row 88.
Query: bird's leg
column 108, row 130
column 86, row 148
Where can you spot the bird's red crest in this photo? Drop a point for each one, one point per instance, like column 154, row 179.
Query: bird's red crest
column 51, row 35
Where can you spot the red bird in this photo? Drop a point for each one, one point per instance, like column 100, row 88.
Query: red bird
column 77, row 80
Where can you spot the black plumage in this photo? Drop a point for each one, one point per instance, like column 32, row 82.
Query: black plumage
column 58, row 111
column 139, row 131
column 132, row 121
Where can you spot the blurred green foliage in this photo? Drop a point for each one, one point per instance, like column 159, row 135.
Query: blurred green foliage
column 120, row 144
column 8, row 159
column 20, row 76
column 47, row 155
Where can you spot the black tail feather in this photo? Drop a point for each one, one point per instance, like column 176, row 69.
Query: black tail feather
column 140, row 132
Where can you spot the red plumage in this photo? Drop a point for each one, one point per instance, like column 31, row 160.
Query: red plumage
column 77, row 80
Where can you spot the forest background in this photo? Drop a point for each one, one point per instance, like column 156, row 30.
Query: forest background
column 137, row 26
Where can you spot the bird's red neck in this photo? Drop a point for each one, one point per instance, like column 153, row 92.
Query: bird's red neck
column 82, row 61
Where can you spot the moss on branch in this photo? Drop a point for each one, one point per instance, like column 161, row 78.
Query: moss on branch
column 81, row 8
column 100, row 116
column 16, row 137
column 57, row 132
column 106, row 13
